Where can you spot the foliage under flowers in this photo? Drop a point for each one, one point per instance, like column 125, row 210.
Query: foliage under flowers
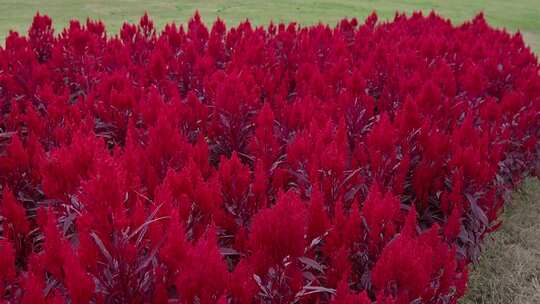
column 357, row 164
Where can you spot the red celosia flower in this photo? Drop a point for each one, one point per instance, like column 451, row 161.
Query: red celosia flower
column 453, row 226
column 408, row 264
column 345, row 296
column 317, row 218
column 14, row 213
column 203, row 274
column 79, row 284
column 248, row 164
column 7, row 264
column 33, row 290
column 278, row 232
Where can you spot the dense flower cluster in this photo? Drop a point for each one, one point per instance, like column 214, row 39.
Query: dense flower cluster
column 357, row 164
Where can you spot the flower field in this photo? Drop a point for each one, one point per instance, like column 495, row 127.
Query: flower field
column 361, row 163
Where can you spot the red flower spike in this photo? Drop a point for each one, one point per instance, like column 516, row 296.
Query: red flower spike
column 453, row 225
column 278, row 231
column 14, row 213
column 282, row 164
column 33, row 290
column 7, row 263
column 318, row 222
column 345, row 296
column 79, row 284
column 204, row 274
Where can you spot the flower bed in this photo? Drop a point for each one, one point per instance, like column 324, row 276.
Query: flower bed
column 287, row 164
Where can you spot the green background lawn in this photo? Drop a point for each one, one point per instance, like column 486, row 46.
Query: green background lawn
column 509, row 270
column 513, row 15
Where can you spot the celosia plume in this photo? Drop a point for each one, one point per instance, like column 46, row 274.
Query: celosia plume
column 361, row 163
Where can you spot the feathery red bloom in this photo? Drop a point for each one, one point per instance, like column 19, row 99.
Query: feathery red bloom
column 247, row 164
column 14, row 213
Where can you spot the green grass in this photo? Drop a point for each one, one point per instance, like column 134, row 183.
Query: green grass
column 513, row 15
column 509, row 270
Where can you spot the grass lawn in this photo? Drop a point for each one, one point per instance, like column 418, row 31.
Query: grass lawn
column 509, row 270
column 513, row 15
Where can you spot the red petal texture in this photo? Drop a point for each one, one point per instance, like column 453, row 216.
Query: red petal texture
column 360, row 163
